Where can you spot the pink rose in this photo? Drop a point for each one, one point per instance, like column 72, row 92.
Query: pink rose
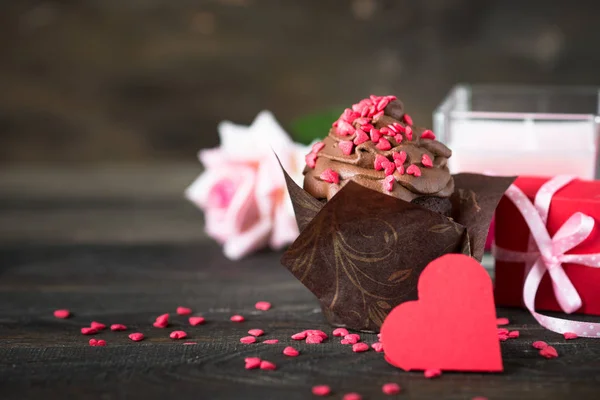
column 242, row 190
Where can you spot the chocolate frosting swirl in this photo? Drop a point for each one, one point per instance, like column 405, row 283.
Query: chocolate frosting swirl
column 359, row 165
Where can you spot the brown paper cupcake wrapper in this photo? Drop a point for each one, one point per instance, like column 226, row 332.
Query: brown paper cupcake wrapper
column 362, row 252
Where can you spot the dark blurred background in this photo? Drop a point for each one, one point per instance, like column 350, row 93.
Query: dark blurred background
column 96, row 81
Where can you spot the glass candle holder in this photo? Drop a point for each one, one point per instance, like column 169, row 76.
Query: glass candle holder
column 521, row 130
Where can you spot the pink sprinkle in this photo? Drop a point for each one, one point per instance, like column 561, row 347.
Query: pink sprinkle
column 299, row 335
column 271, row 341
column 314, row 339
column 394, row 129
column 196, row 320
column 380, row 162
column 330, row 176
column 432, row 373
column 316, row 332
column 311, row 160
column 388, row 182
column 346, row 341
column 252, row 362
column 400, row 169
column 383, row 103
column 377, row 346
column 377, row 115
column 340, row 332
column 360, row 347
column 248, row 340
column 178, row 335
column 383, row 144
column 344, row 128
column 390, row 389
column 408, row 132
column 361, row 137
column 375, row 135
column 549, row 352
column 89, row 331
column 362, row 121
column 118, row 327
column 413, row 170
column 408, row 119
column 502, row 321
column 398, row 138
column 502, row 331
column 62, row 314
column 428, row 134
column 366, row 127
column 237, row 318
column 184, row 311
column 291, row 352
column 540, row 345
column 570, row 335
column 97, row 326
column 386, row 131
column 162, row 321
column 389, row 167
column 317, row 147
column 93, row 342
column 352, row 396
column 503, row 338
column 256, row 332
column 136, row 337
column 514, row 334
column 353, row 336
column 97, row 343
column 321, row 390
column 267, row 365
column 426, row 161
column 349, row 115
column 346, row 146
column 399, row 128
column 399, row 158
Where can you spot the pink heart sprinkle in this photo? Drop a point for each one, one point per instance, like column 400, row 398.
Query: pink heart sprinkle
column 502, row 321
column 377, row 115
column 340, row 332
column 428, row 134
column 346, row 146
column 62, row 314
column 196, row 320
column 178, row 335
column 570, row 335
column 549, row 352
column 382, row 104
column 388, row 183
column 330, row 176
column 398, row 138
column 118, row 327
column 514, row 334
column 291, row 352
column 377, row 346
column 353, row 336
column 264, row 305
column 361, row 137
column 237, row 318
column 352, row 396
column 314, row 339
column 399, row 128
column 256, row 332
column 408, row 119
column 248, row 340
column 317, row 147
column 317, row 332
column 136, row 337
column 299, row 335
column 101, row 343
column 426, row 161
column 271, row 341
column 360, row 347
column 252, row 362
column 366, row 127
column 379, row 162
column 93, row 342
column 400, row 169
column 321, row 390
column 386, row 131
column 408, row 132
column 413, row 170
column 540, row 345
column 344, row 128
column 184, row 311
column 97, row 325
column 399, row 157
column 89, row 331
column 346, row 341
column 503, row 338
column 383, row 144
column 502, row 331
column 267, row 365
column 311, row 160
column 389, row 168
column 390, row 389
column 432, row 373
column 375, row 135
column 162, row 321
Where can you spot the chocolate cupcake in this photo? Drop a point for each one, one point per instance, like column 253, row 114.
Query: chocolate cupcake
column 376, row 145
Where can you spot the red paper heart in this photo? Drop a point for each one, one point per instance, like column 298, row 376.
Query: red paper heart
column 452, row 326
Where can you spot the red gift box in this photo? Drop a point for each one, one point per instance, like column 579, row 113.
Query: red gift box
column 512, row 233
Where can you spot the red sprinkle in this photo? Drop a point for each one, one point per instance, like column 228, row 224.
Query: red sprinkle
column 291, row 352
column 317, row 332
column 97, row 343
column 399, row 128
column 118, row 327
column 340, row 332
column 388, row 182
column 317, row 147
column 299, row 335
column 136, row 337
column 426, row 161
column 93, row 342
column 389, row 168
column 386, row 131
column 390, row 388
column 383, row 144
column 162, row 321
column 377, row 115
column 514, row 334
column 502, row 321
column 502, row 331
column 380, row 161
column 503, row 338
column 256, row 332
column 399, row 158
column 362, row 121
column 267, row 365
column 413, row 170
column 271, row 341
column 366, row 127
column 375, row 135
column 237, row 318
column 346, row 341
column 252, row 362
column 398, row 138
column 321, row 390
column 62, row 314
column 248, row 340
column 383, row 103
column 178, row 335
column 352, row 337
column 314, row 339
column 346, row 146
column 432, row 373
column 408, row 132
column 360, row 347
column 344, row 128
column 549, row 352
column 184, row 311
column 377, row 346
column 98, row 326
column 540, row 345
column 196, row 320
column 394, row 129
column 428, row 134
column 330, row 176
column 570, row 335
column 349, row 115
column 408, row 119
column 361, row 137
column 89, row 331
column 352, row 396
column 311, row 160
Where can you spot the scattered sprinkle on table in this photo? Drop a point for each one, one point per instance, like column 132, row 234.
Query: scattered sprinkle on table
column 540, row 345
column 256, row 332
column 340, row 332
column 321, row 390
column 178, row 335
column 377, row 346
column 291, row 352
column 314, row 339
column 136, row 336
column 432, row 373
column 299, row 335
column 62, row 314
column 360, row 347
column 352, row 396
column 118, row 327
column 390, row 388
column 99, row 326
column 252, row 362
column 514, row 334
column 248, row 340
column 570, row 335
column 196, row 320
column 271, row 341
column 184, row 310
column 97, row 343
column 502, row 321
column 549, row 352
column 88, row 331
column 263, row 306
column 267, row 365
column 237, row 318
column 162, row 321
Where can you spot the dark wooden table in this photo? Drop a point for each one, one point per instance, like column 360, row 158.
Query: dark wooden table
column 132, row 281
